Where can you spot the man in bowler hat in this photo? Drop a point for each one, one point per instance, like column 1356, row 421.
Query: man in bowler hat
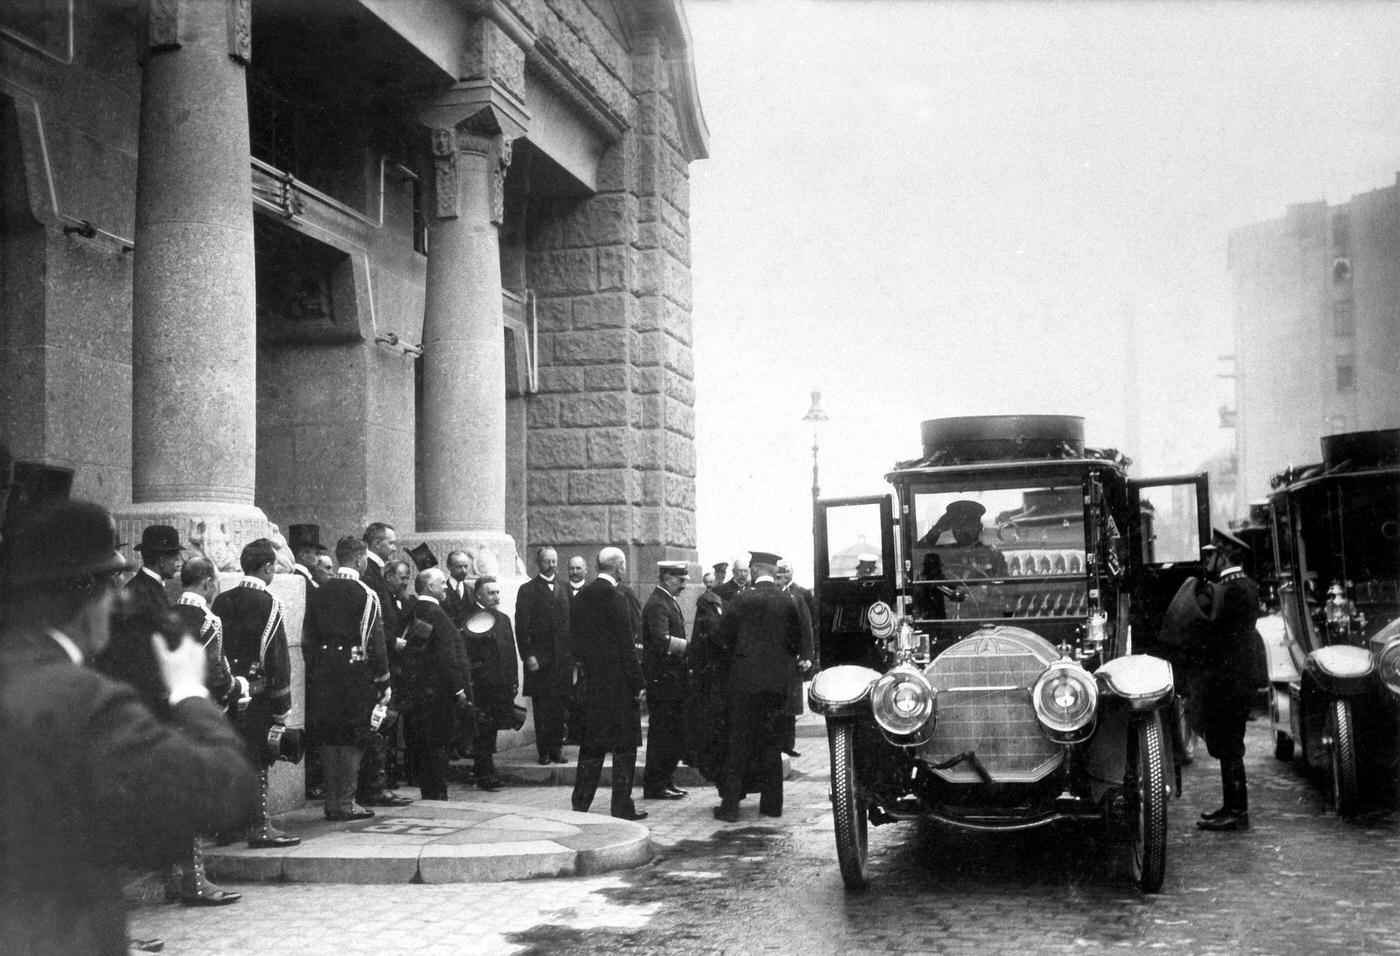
column 145, row 602
column 93, row 783
column 305, row 542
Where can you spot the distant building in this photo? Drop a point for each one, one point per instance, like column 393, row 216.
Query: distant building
column 335, row 261
column 1317, row 331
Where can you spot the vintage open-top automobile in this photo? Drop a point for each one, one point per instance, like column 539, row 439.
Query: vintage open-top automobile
column 1336, row 541
column 983, row 638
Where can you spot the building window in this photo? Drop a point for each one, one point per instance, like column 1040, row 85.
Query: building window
column 1346, row 373
column 1343, row 319
column 1341, row 270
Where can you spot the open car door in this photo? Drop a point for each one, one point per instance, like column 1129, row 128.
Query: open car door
column 1172, row 525
column 850, row 532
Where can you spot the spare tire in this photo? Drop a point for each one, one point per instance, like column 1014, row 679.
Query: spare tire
column 978, row 438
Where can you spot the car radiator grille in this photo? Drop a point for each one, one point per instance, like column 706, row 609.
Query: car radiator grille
column 984, row 706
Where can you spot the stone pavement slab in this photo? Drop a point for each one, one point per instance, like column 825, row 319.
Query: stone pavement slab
column 440, row 841
column 521, row 765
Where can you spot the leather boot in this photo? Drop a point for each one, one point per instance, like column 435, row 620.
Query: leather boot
column 1234, row 815
column 195, row 887
column 263, row 835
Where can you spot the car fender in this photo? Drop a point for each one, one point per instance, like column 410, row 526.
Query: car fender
column 842, row 691
column 1141, row 681
column 1341, row 669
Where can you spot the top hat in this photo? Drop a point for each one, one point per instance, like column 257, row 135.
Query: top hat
column 64, row 541
column 764, row 557
column 160, row 539
column 304, row 536
column 672, row 567
column 423, row 556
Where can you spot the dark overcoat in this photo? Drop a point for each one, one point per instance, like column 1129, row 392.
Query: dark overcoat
column 255, row 642
column 762, row 635
column 91, row 784
column 667, row 675
column 436, row 669
column 128, row 656
column 346, row 668
column 494, row 668
column 542, row 631
column 612, row 677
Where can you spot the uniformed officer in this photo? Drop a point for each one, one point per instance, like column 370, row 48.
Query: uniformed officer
column 667, row 681
column 1227, row 673
column 347, row 672
column 762, row 637
column 255, row 643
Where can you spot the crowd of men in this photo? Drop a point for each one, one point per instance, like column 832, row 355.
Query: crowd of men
column 140, row 716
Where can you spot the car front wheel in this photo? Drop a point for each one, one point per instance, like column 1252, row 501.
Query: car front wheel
column 1147, row 788
column 848, row 805
column 1342, row 762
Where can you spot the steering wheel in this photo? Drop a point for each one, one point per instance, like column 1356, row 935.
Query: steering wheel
column 967, row 574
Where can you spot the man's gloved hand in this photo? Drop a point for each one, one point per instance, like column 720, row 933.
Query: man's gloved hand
column 182, row 669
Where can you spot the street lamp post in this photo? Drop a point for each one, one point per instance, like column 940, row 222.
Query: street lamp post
column 816, row 416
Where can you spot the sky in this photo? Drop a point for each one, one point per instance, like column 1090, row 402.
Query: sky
column 934, row 208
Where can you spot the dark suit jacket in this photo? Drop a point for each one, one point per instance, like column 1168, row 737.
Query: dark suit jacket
column 762, row 634
column 92, row 783
column 255, row 638
column 728, row 591
column 128, row 656
column 612, row 676
column 542, row 632
column 346, row 668
column 494, row 665
column 393, row 620
column 459, row 608
column 435, row 669
column 305, row 575
column 666, row 675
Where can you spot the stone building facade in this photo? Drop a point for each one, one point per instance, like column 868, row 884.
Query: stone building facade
column 1317, row 331
column 336, row 261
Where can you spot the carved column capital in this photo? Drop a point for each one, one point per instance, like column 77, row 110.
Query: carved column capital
column 447, row 143
column 171, row 24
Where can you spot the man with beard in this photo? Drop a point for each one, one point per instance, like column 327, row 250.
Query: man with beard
column 578, row 575
column 730, row 589
column 346, row 672
column 762, row 637
column 668, row 681
column 439, row 684
column 492, row 652
column 542, row 630
column 601, row 624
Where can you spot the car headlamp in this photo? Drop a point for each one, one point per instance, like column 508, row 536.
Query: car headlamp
column 904, row 705
column 1388, row 665
column 1066, row 699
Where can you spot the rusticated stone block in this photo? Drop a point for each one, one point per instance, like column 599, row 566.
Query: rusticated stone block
column 650, row 314
column 613, row 486
column 603, row 311
column 605, row 378
column 558, row 448
column 607, row 448
column 593, row 409
column 680, row 418
column 555, row 315
column 647, row 450
column 561, row 379
column 677, row 280
column 680, row 492
column 680, row 455
column 676, row 321
column 648, row 349
column 569, row 523
column 680, row 389
column 549, row 487
column 613, row 262
column 617, row 168
column 605, row 219
column 648, row 381
column 646, row 413
column 649, row 276
column 563, row 271
column 586, row 348
column 654, row 487
column 680, row 528
column 542, row 411
column 644, row 527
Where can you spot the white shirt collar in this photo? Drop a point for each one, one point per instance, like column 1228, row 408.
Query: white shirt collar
column 197, row 600
column 763, row 577
column 375, row 559
column 608, row 578
column 429, row 598
column 154, row 575
column 65, row 642
column 350, row 573
column 251, row 582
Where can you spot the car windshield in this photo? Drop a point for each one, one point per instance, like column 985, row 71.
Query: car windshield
column 1350, row 534
column 999, row 552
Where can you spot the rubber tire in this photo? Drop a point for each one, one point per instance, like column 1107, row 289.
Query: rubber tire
column 1148, row 854
column 1342, row 762
column 1189, row 739
column 1283, row 740
column 848, row 806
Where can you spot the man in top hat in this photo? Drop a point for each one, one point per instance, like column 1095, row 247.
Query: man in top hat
column 381, row 545
column 668, row 681
column 542, row 632
column 1227, row 673
column 611, row 686
column 93, row 783
column 305, row 542
column 347, row 673
column 438, row 685
column 255, row 643
column 492, row 652
column 731, row 588
column 763, row 638
column 128, row 657
column 423, row 558
column 200, row 580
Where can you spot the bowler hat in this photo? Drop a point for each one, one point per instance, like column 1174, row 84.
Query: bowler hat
column 160, row 538
column 64, row 541
column 423, row 556
column 304, row 536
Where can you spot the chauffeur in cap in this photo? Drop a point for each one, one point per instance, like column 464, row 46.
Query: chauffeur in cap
column 92, row 781
column 668, row 681
column 1227, row 673
column 763, row 639
column 255, row 643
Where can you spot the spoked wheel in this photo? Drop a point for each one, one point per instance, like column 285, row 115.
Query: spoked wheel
column 1342, row 763
column 1148, row 792
column 848, row 805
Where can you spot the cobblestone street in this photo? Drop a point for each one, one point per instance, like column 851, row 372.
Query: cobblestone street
column 1301, row 881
